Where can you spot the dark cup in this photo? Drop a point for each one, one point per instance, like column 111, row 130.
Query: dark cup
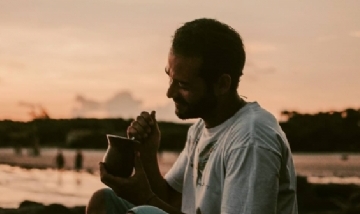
column 119, row 156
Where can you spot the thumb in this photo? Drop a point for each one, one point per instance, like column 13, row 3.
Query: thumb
column 153, row 115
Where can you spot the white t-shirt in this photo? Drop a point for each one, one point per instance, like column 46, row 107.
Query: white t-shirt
column 243, row 165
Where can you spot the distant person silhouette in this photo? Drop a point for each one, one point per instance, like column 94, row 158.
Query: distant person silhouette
column 78, row 165
column 79, row 158
column 60, row 163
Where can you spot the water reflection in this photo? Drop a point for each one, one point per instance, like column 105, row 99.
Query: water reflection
column 73, row 187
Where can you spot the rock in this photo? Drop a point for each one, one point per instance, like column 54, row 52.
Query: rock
column 55, row 209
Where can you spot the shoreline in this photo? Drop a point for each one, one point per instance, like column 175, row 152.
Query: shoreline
column 33, row 207
column 29, row 163
column 312, row 198
column 90, row 162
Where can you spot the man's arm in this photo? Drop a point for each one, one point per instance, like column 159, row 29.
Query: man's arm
column 251, row 181
column 136, row 189
column 158, row 184
column 146, row 129
column 157, row 202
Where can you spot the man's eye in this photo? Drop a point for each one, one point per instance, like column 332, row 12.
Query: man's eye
column 178, row 84
column 182, row 85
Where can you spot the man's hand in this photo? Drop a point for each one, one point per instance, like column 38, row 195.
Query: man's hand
column 136, row 189
column 146, row 130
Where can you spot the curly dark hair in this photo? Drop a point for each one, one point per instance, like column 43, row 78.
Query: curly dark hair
column 218, row 45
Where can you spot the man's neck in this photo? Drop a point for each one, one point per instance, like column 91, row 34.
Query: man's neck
column 226, row 109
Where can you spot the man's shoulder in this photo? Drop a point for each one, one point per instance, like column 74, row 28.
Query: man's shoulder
column 252, row 116
column 254, row 122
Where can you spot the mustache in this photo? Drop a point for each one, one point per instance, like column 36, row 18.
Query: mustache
column 179, row 100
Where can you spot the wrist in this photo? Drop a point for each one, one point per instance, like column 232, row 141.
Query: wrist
column 149, row 157
column 150, row 198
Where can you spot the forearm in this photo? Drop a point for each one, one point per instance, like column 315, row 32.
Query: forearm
column 157, row 182
column 157, row 202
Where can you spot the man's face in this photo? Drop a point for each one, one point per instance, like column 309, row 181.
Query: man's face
column 192, row 98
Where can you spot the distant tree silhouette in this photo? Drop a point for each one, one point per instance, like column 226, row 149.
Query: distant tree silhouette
column 333, row 131
column 324, row 131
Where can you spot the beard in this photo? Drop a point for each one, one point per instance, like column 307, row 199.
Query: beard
column 199, row 108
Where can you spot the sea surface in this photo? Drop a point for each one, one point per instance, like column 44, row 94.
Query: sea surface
column 72, row 188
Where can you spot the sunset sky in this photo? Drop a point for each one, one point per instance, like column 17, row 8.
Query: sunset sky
column 84, row 58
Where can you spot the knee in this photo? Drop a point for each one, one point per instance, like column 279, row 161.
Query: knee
column 97, row 202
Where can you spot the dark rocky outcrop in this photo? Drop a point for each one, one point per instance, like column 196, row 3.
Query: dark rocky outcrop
column 312, row 199
column 32, row 207
column 327, row 198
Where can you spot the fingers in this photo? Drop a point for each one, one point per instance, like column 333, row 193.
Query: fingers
column 137, row 131
column 147, row 117
column 142, row 126
column 104, row 175
column 108, row 179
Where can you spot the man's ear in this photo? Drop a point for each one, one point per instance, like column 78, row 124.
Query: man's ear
column 223, row 84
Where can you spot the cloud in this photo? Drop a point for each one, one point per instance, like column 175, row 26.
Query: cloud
column 121, row 105
column 86, row 107
column 87, row 104
column 355, row 34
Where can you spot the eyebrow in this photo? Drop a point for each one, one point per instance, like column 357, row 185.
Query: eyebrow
column 167, row 71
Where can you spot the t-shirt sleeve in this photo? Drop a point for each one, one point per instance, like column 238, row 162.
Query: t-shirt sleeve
column 175, row 176
column 251, row 181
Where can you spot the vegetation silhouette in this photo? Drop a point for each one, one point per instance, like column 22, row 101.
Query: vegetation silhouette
column 81, row 133
column 333, row 131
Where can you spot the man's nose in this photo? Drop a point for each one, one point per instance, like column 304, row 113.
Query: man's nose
column 171, row 92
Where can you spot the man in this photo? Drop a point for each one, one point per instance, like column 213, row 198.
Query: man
column 236, row 158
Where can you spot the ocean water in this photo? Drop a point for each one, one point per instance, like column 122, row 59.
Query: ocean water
column 75, row 188
column 51, row 186
column 45, row 186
